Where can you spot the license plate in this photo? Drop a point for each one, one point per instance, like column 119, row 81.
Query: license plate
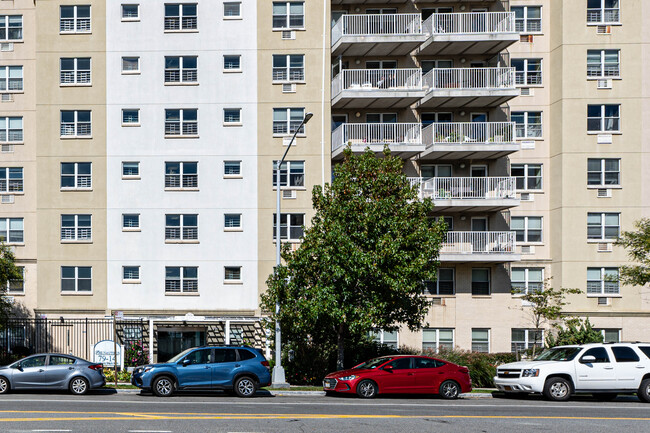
column 507, row 388
column 326, row 385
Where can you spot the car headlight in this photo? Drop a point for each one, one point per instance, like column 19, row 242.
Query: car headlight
column 352, row 377
column 146, row 369
column 530, row 372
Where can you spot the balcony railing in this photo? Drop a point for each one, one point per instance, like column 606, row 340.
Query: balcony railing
column 463, row 188
column 469, row 78
column 479, row 243
column 377, row 25
column 603, row 16
column 376, row 133
column 377, row 79
column 469, row 133
column 470, row 23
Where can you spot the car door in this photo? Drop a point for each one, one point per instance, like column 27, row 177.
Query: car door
column 597, row 375
column 429, row 374
column 194, row 370
column 59, row 368
column 398, row 379
column 226, row 365
column 31, row 373
column 629, row 369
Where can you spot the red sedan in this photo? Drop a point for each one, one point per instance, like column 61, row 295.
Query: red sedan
column 401, row 374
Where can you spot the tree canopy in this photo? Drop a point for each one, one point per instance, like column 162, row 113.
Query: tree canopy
column 637, row 244
column 8, row 272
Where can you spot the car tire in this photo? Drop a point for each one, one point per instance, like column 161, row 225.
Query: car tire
column 245, row 386
column 557, row 389
column 4, row 385
column 163, row 386
column 79, row 385
column 449, row 390
column 644, row 391
column 367, row 389
column 605, row 396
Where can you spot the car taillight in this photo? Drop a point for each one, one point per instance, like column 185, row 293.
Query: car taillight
column 463, row 369
column 266, row 364
column 96, row 367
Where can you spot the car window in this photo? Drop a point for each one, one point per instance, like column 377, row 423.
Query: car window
column 61, row 360
column 401, row 363
column 34, row 361
column 225, row 355
column 625, row 354
column 645, row 350
column 373, row 363
column 201, row 356
column 597, row 352
column 427, row 363
column 245, row 354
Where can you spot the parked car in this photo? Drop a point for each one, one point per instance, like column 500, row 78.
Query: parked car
column 603, row 369
column 239, row 369
column 400, row 374
column 52, row 371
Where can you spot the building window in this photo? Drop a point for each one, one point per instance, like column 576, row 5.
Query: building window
column 76, row 228
column 17, row 286
column 528, row 72
column 528, row 229
column 602, row 281
column 480, row 340
column 480, row 281
column 528, row 19
column 288, row 15
column 527, row 176
column 131, row 12
column 75, row 71
column 524, row 339
column 288, row 68
column 295, row 171
column 75, row 19
column 294, row 231
column 527, row 280
column 232, row 221
column 130, row 274
column 287, row 120
column 443, row 285
column 130, row 221
column 610, row 335
column 130, row 117
column 232, row 116
column 131, row 169
column 232, row 10
column 130, row 65
column 603, row 226
column 181, row 175
column 603, row 172
column 603, row 63
column 76, row 175
column 76, row 279
column 11, row 180
column 181, row 279
column 603, row 118
column 11, row 28
column 181, row 122
column 11, row 78
column 388, row 338
column 11, row 129
column 232, row 273
column 232, row 63
column 181, row 227
column 436, row 339
column 12, row 230
column 76, row 123
column 603, row 12
column 232, row 168
column 180, row 17
column 528, row 124
column 181, row 69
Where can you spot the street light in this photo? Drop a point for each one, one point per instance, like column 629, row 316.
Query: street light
column 278, row 379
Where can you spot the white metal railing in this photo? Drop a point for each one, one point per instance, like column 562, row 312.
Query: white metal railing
column 469, row 133
column 377, row 25
column 603, row 16
column 438, row 188
column 376, row 133
column 470, row 23
column 377, row 79
column 469, row 78
column 478, row 243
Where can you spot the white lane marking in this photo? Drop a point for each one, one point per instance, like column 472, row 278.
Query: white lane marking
column 48, row 430
column 149, row 431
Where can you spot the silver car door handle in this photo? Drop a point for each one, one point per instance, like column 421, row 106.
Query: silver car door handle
column 70, row 368
column 608, row 368
column 237, row 365
column 640, row 366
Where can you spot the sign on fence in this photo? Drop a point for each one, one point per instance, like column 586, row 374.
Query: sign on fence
column 104, row 352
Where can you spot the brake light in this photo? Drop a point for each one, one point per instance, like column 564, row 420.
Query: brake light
column 463, row 369
column 266, row 364
column 96, row 367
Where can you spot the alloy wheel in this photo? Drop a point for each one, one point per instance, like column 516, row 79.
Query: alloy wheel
column 449, row 390
column 78, row 386
column 246, row 387
column 366, row 389
column 164, row 386
column 4, row 385
column 559, row 390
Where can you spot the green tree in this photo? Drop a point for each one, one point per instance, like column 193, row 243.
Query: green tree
column 362, row 262
column 574, row 331
column 8, row 271
column 637, row 244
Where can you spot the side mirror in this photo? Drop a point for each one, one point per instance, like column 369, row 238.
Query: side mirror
column 187, row 362
column 18, row 366
column 587, row 359
column 388, row 368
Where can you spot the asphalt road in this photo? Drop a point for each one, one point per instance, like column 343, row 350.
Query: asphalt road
column 132, row 412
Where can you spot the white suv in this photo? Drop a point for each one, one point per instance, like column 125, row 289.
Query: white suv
column 603, row 370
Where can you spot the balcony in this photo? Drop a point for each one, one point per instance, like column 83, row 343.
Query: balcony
column 468, row 33
column 486, row 247
column 468, row 87
column 377, row 88
column 377, row 35
column 403, row 139
column 469, row 140
column 468, row 194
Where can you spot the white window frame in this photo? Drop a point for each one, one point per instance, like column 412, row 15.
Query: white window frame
column 79, row 179
column 598, row 16
column 80, row 77
column 228, row 226
column 227, row 270
column 605, row 70
column 603, row 119
column 182, row 74
column 131, row 176
column 9, row 239
column 604, row 332
column 77, row 233
column 126, row 71
column 526, row 177
column 182, row 123
column 129, row 279
column 12, row 285
column 288, row 74
column 232, row 17
column 436, row 283
column 229, row 120
column 232, row 175
column 10, row 135
column 525, row 21
column 79, row 24
column 7, row 81
column 229, row 70
column 286, row 127
column 287, row 15
column 528, row 126
column 603, row 216
column 130, row 123
column 287, row 226
column 602, row 172
column 186, row 232
column 127, row 227
column 186, row 23
column 379, row 335
column 526, row 289
column 12, row 185
column 528, row 341
column 182, row 180
column 481, row 342
column 528, row 78
column 192, row 282
column 76, row 279
column 435, row 345
column 526, row 229
column 290, row 171
column 77, row 125
column 614, row 288
column 130, row 18
column 6, row 28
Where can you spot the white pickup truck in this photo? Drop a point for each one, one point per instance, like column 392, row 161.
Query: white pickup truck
column 601, row 369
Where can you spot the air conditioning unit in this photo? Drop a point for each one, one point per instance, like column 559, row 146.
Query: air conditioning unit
column 7, row 46
column 527, row 249
column 604, row 84
column 7, row 199
column 436, row 301
column 605, row 247
column 526, row 91
column 289, row 193
column 7, row 148
column 604, row 192
column 289, row 88
column 526, row 38
column 603, row 301
column 528, row 144
column 288, row 34
column 7, row 97
column 604, row 30
column 526, row 196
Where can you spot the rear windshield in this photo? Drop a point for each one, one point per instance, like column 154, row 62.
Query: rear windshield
column 373, row 363
column 559, row 354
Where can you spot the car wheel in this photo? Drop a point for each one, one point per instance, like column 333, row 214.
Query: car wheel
column 245, row 387
column 557, row 389
column 163, row 386
column 367, row 389
column 79, row 386
column 605, row 396
column 4, row 385
column 644, row 391
column 449, row 390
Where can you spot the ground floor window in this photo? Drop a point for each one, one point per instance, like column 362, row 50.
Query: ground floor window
column 480, row 340
column 436, row 339
column 523, row 339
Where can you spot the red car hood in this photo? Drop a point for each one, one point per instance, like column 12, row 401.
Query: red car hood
column 342, row 373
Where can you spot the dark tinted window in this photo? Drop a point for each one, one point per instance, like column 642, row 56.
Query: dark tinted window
column 202, row 356
column 401, row 364
column 427, row 363
column 245, row 354
column 599, row 353
column 646, row 350
column 225, row 355
column 60, row 360
column 35, row 361
column 625, row 354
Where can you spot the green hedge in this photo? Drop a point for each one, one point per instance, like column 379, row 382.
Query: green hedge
column 482, row 366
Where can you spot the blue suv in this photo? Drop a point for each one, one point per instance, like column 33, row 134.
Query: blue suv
column 239, row 369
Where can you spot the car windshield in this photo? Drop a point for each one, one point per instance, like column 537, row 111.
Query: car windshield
column 181, row 355
column 373, row 363
column 559, row 354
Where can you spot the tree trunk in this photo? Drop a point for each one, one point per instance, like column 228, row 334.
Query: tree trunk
column 341, row 349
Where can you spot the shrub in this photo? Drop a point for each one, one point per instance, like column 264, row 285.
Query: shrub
column 482, row 366
column 122, row 375
column 135, row 354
